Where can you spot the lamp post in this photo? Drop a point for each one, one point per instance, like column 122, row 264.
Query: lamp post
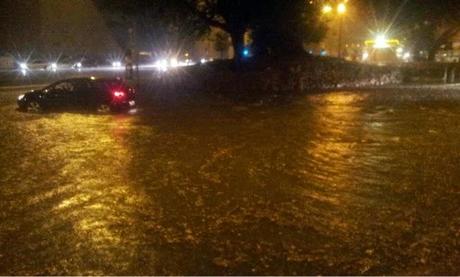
column 340, row 11
column 327, row 9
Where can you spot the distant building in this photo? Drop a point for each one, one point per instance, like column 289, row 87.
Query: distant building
column 51, row 27
column 382, row 51
column 451, row 52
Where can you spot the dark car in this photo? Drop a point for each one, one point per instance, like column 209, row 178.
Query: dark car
column 102, row 95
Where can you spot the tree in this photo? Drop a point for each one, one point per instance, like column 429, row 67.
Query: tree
column 221, row 42
column 426, row 25
column 282, row 27
column 231, row 16
column 164, row 25
column 446, row 20
column 279, row 27
column 430, row 24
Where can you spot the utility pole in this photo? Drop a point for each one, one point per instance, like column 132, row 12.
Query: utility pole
column 339, row 51
column 341, row 9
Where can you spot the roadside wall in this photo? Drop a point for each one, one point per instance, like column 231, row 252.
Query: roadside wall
column 280, row 77
column 288, row 77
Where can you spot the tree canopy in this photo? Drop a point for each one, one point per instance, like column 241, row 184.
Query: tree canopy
column 426, row 25
column 156, row 24
column 278, row 27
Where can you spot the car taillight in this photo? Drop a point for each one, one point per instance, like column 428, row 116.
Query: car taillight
column 118, row 94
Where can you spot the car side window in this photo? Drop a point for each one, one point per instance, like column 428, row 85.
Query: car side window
column 82, row 86
column 64, row 87
column 102, row 87
column 95, row 86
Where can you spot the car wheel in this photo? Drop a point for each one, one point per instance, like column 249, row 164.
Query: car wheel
column 104, row 108
column 34, row 107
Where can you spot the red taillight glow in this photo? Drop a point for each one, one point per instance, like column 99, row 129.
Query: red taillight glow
column 118, row 94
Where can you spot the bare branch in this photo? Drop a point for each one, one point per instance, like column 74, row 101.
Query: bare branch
column 206, row 15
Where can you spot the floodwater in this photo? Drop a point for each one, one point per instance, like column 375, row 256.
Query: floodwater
column 363, row 182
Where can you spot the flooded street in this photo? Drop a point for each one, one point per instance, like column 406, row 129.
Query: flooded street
column 364, row 182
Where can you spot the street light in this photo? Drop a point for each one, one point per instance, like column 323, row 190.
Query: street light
column 327, row 9
column 381, row 42
column 341, row 9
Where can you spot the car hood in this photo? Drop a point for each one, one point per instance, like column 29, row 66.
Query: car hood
column 34, row 93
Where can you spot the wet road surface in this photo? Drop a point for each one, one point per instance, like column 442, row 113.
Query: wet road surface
column 361, row 182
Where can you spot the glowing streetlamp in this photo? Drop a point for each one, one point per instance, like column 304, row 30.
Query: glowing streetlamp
column 341, row 8
column 381, row 42
column 327, row 9
column 340, row 11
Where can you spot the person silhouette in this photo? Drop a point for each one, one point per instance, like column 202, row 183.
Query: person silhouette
column 129, row 64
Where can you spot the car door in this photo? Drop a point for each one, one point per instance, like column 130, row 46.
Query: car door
column 99, row 93
column 82, row 93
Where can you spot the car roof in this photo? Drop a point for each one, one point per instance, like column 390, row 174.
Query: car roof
column 91, row 79
column 104, row 79
column 107, row 79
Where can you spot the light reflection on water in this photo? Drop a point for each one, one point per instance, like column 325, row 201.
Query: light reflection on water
column 330, row 152
column 95, row 195
column 355, row 183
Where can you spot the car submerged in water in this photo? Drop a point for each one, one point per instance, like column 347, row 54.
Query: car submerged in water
column 102, row 95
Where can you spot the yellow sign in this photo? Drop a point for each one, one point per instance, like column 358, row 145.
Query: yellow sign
column 388, row 42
